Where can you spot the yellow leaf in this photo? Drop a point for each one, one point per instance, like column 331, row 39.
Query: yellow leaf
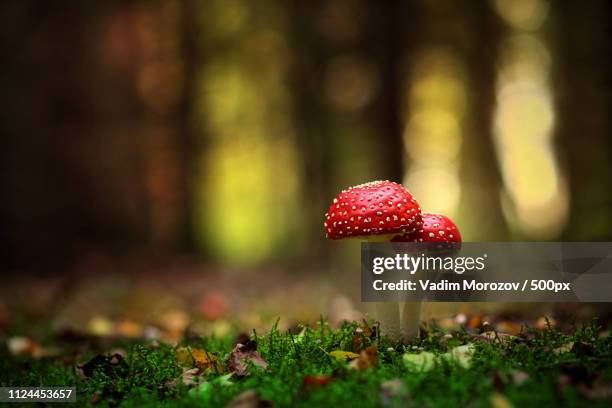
column 341, row 355
column 194, row 357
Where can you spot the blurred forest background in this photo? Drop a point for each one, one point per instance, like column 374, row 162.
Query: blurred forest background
column 218, row 131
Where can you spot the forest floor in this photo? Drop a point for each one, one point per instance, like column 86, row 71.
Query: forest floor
column 471, row 365
column 134, row 334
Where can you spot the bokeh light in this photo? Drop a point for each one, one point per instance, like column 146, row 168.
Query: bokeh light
column 535, row 197
column 247, row 201
column 433, row 133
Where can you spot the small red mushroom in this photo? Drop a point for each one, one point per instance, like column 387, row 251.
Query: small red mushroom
column 435, row 228
column 375, row 208
column 438, row 229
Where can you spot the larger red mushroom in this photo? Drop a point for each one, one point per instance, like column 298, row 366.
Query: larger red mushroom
column 376, row 211
column 375, row 208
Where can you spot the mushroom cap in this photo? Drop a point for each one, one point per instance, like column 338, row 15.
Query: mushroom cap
column 436, row 228
column 375, row 208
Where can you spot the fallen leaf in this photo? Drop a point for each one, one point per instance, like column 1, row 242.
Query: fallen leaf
column 194, row 357
column 249, row 399
column 189, row 377
column 242, row 357
column 475, row 322
column 394, row 393
column 462, row 355
column 509, row 327
column 342, row 356
column 368, row 357
column 423, row 361
column 363, row 336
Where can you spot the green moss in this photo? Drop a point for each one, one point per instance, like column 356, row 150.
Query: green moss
column 145, row 377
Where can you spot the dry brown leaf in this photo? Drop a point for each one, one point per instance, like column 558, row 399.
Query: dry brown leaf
column 507, row 326
column 189, row 377
column 242, row 356
column 475, row 322
column 367, row 358
column 363, row 336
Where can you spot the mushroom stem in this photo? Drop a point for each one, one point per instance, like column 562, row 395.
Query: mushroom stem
column 411, row 320
column 388, row 317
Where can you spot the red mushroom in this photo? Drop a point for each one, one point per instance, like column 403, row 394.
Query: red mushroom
column 375, row 208
column 375, row 211
column 436, row 228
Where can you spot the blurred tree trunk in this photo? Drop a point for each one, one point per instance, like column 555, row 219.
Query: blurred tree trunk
column 386, row 43
column 339, row 47
column 92, row 155
column 314, row 129
column 583, row 117
column 482, row 172
column 190, row 151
